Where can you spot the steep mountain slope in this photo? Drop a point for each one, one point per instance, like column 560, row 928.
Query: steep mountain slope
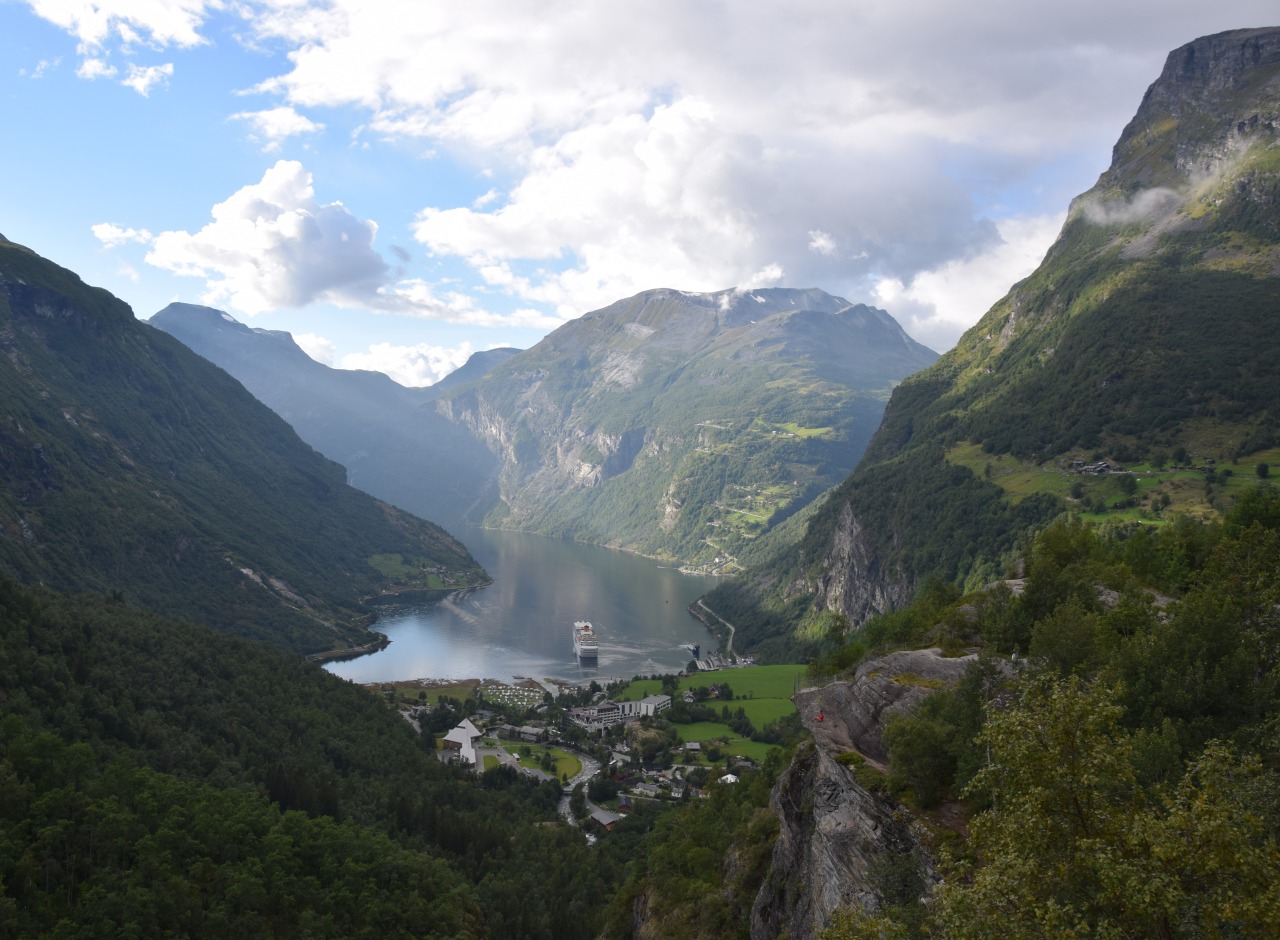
column 129, row 464
column 476, row 367
column 1148, row 337
column 685, row 425
column 379, row 430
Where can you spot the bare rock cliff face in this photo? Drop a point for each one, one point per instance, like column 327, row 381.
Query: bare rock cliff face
column 839, row 844
column 835, row 842
column 853, row 580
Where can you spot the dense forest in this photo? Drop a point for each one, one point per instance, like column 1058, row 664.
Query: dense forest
column 161, row 779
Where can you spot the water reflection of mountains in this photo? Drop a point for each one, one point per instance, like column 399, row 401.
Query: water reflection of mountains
column 519, row 624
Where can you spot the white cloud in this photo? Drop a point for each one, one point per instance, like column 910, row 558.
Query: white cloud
column 43, row 67
column 821, row 242
column 161, row 23
column 665, row 143
column 113, row 236
column 937, row 306
column 1139, row 206
column 317, row 347
column 272, row 244
column 91, row 68
column 276, row 125
column 143, row 78
column 418, row 365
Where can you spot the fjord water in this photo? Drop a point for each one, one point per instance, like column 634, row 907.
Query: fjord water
column 519, row 625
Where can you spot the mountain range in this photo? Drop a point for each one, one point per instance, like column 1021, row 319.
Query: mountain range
column 131, row 467
column 1119, row 779
column 674, row 424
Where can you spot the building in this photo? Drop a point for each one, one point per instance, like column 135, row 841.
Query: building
column 606, row 713
column 605, row 819
column 460, row 743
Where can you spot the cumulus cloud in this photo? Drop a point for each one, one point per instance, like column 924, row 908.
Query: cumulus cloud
column 414, row 366
column 142, row 79
column 113, row 236
column 847, row 145
column 275, row 125
column 319, row 348
column 104, row 27
column 92, row 68
column 272, row 244
column 936, row 306
column 96, row 23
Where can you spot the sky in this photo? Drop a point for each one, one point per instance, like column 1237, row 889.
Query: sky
column 400, row 183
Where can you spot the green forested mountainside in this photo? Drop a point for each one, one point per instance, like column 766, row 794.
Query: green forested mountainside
column 1123, row 780
column 129, row 464
column 160, row 775
column 391, row 444
column 1147, row 337
column 686, row 425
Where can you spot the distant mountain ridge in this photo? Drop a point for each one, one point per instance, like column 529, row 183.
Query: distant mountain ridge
column 686, row 425
column 392, row 445
column 1148, row 336
column 130, row 466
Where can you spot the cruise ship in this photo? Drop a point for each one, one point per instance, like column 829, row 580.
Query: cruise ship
column 584, row 641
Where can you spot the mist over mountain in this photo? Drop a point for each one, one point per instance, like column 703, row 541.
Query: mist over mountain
column 1147, row 338
column 685, row 425
column 390, row 443
column 130, row 466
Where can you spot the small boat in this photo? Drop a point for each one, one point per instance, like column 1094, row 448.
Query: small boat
column 584, row 640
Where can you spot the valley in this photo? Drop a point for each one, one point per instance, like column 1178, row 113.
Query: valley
column 1004, row 621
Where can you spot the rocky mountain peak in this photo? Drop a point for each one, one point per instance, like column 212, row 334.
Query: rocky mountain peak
column 1216, row 96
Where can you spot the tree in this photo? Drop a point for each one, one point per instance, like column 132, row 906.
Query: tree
column 1073, row 847
column 1262, row 470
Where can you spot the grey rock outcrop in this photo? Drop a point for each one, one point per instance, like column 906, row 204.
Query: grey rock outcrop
column 836, row 848
column 839, row 843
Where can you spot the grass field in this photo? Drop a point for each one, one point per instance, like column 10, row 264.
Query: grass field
column 705, row 731
column 757, row 682
column 567, row 765
column 762, row 692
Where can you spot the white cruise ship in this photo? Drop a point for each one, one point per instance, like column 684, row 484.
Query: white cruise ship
column 584, row 641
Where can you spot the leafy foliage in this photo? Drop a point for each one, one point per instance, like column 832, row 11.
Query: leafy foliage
column 1124, row 781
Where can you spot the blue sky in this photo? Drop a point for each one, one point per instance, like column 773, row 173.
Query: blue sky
column 399, row 184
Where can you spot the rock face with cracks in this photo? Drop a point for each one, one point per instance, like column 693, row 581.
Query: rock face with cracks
column 839, row 844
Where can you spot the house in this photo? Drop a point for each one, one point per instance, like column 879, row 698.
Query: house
column 605, row 819
column 624, row 803
column 460, row 743
column 729, row 778
column 530, row 733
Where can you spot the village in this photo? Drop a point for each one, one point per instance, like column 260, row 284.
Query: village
column 644, row 742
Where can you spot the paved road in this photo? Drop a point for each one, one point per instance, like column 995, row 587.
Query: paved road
column 590, row 766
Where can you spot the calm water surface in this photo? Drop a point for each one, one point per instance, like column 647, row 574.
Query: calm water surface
column 520, row 625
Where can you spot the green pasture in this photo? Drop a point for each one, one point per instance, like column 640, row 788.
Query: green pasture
column 752, row 682
column 1186, row 491
column 566, row 764
column 713, row 731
